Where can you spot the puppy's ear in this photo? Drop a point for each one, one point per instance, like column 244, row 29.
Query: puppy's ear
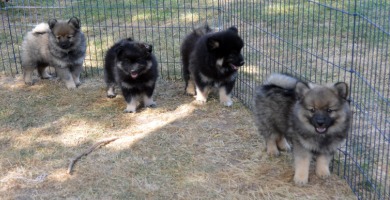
column 145, row 46
column 52, row 23
column 149, row 48
column 212, row 43
column 75, row 22
column 301, row 89
column 234, row 29
column 342, row 89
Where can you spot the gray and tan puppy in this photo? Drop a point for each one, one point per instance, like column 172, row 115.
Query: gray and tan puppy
column 60, row 44
column 315, row 118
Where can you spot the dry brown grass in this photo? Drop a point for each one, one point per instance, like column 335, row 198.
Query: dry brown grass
column 179, row 150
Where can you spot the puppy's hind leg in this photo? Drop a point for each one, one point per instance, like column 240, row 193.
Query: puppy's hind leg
column 270, row 141
column 43, row 73
column 283, row 144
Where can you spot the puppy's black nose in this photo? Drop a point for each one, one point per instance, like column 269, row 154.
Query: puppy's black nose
column 320, row 121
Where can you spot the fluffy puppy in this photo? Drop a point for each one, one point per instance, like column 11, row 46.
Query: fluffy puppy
column 133, row 67
column 211, row 59
column 60, row 44
column 315, row 118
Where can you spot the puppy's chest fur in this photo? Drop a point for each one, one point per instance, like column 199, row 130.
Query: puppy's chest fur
column 317, row 143
column 217, row 79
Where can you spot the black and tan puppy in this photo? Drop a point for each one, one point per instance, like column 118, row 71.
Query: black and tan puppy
column 315, row 118
column 211, row 59
column 133, row 67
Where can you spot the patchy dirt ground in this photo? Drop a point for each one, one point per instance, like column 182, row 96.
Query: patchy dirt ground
column 179, row 150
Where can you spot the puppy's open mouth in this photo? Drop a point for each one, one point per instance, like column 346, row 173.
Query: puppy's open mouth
column 321, row 130
column 234, row 67
column 134, row 74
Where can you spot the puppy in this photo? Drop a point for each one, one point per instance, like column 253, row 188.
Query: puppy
column 60, row 44
column 211, row 59
column 132, row 66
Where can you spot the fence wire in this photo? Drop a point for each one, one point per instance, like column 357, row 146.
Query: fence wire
column 318, row 41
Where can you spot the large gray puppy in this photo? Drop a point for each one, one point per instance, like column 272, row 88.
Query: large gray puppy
column 60, row 44
column 315, row 118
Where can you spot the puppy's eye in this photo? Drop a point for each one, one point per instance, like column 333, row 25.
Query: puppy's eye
column 312, row 110
column 329, row 110
column 58, row 37
column 70, row 36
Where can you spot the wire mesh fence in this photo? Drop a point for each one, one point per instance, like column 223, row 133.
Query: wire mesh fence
column 318, row 41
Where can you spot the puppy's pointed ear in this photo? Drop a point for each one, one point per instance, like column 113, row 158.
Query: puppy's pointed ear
column 75, row 22
column 150, row 48
column 342, row 89
column 301, row 89
column 234, row 29
column 212, row 43
column 52, row 23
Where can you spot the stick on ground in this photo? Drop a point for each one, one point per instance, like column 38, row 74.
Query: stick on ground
column 89, row 150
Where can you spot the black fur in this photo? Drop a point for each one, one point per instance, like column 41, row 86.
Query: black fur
column 133, row 67
column 200, row 52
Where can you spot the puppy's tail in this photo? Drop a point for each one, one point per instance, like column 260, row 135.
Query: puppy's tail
column 281, row 80
column 203, row 29
column 41, row 28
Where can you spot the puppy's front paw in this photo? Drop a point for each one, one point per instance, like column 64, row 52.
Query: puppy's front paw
column 129, row 110
column 200, row 99
column 273, row 152
column 322, row 166
column 131, row 107
column 300, row 179
column 30, row 83
column 70, row 85
column 46, row 76
column 301, row 176
column 272, row 149
column 151, row 105
column 111, row 96
column 78, row 84
column 228, row 103
column 323, row 172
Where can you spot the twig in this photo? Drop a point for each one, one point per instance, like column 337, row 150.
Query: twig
column 89, row 150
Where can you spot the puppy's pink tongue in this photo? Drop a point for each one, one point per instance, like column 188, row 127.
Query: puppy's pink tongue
column 233, row 66
column 134, row 74
column 321, row 130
